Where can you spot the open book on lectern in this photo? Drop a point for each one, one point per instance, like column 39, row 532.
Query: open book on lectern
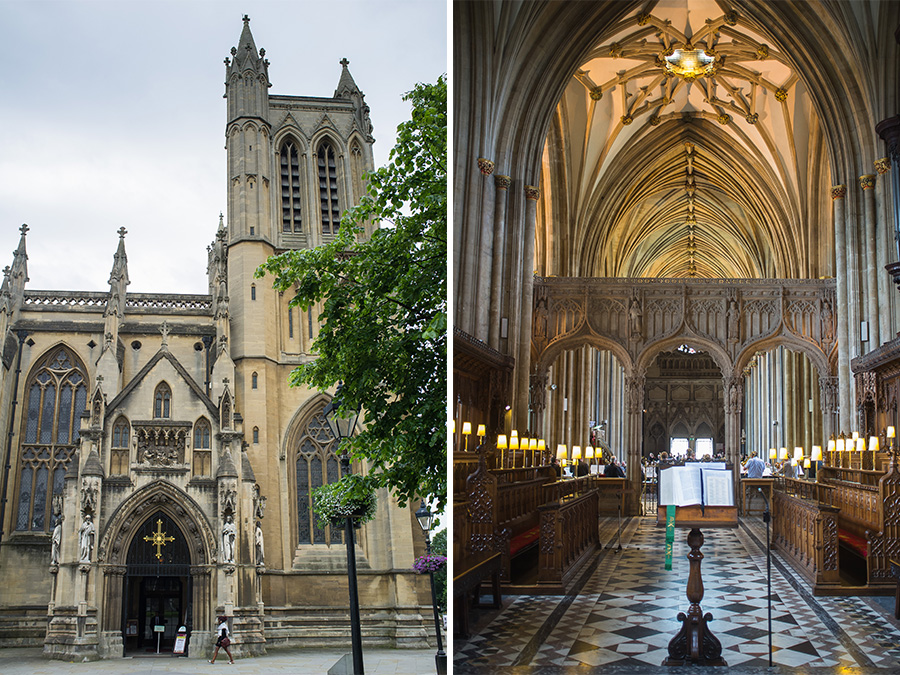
column 709, row 485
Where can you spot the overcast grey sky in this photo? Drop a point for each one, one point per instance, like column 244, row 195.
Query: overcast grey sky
column 111, row 115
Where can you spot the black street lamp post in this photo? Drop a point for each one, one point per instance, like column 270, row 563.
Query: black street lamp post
column 425, row 518
column 342, row 425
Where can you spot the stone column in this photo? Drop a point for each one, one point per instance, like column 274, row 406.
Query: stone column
column 838, row 193
column 867, row 183
column 829, row 396
column 470, row 255
column 523, row 353
column 482, row 305
column 502, row 186
column 885, row 235
column 634, row 405
column 734, row 398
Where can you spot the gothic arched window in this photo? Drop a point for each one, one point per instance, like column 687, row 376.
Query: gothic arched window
column 316, row 464
column 202, row 454
column 254, row 378
column 162, row 401
column 328, row 189
column 291, row 220
column 118, row 465
column 56, row 397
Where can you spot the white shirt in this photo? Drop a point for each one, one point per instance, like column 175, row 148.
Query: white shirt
column 223, row 625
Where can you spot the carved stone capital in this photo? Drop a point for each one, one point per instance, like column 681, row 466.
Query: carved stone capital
column 533, row 193
column 883, row 165
column 838, row 191
column 502, row 182
column 486, row 166
column 867, row 182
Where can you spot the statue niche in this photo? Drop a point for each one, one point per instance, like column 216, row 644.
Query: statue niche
column 161, row 444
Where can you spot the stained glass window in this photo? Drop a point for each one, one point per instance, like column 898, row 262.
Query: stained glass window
column 315, row 462
column 57, row 396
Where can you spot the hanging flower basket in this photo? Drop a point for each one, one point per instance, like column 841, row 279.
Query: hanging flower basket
column 351, row 497
column 429, row 563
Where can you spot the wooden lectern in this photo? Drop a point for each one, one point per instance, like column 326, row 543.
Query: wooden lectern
column 695, row 642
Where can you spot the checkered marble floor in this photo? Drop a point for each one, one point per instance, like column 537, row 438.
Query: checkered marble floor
column 621, row 613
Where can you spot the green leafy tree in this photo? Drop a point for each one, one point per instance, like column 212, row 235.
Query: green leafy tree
column 439, row 546
column 384, row 309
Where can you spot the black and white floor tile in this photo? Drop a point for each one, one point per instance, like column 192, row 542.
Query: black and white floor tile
column 621, row 613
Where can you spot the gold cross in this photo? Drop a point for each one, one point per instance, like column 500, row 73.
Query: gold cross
column 159, row 539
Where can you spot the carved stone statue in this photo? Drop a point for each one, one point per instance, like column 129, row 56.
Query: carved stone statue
column 734, row 321
column 636, row 315
column 260, row 547
column 55, row 541
column 229, row 534
column 827, row 322
column 88, row 496
column 86, row 538
column 229, row 496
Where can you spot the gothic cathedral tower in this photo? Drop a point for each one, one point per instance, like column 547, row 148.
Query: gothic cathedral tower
column 155, row 447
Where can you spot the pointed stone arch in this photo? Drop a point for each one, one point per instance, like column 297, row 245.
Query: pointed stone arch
column 133, row 511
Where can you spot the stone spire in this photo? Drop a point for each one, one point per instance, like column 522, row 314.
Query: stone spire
column 347, row 89
column 18, row 273
column 118, row 279
column 247, row 78
column 346, row 85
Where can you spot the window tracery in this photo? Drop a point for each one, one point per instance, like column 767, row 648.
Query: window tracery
column 315, row 462
column 118, row 465
column 202, row 444
column 162, row 401
column 57, row 395
column 291, row 212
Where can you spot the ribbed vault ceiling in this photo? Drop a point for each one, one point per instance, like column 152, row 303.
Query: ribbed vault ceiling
column 649, row 174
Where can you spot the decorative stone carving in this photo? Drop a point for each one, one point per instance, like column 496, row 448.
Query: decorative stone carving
column 634, row 394
column 838, row 191
column 260, row 546
column 502, row 182
column 90, row 491
column 259, row 503
column 733, row 322
column 533, row 193
column 55, row 542
column 229, row 498
column 486, row 166
column 229, row 535
column 867, row 182
column 882, row 165
column 161, row 445
column 86, row 539
column 635, row 316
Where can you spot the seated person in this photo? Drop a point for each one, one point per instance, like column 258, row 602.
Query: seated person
column 613, row 470
column 581, row 469
column 554, row 464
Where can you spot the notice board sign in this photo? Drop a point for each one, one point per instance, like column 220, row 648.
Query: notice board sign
column 180, row 641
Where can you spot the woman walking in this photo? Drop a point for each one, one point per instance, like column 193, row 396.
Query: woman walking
column 223, row 639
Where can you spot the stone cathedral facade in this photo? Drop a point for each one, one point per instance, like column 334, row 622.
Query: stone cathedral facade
column 158, row 468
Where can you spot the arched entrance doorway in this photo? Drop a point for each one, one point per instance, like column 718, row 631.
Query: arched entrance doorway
column 158, row 591
column 125, row 565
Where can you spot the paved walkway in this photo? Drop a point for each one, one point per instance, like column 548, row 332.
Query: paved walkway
column 29, row 661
